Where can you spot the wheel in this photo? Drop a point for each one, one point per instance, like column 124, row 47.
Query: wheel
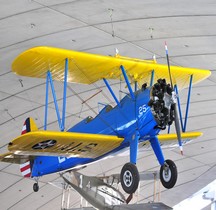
column 168, row 174
column 35, row 187
column 129, row 178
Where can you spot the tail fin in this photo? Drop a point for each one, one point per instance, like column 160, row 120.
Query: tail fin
column 28, row 126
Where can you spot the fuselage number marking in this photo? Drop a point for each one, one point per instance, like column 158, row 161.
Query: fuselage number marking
column 142, row 109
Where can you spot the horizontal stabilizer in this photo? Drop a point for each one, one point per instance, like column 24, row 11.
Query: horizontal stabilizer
column 69, row 144
column 10, row 157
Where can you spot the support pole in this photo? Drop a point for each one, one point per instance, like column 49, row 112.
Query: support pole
column 64, row 95
column 112, row 93
column 168, row 131
column 49, row 80
column 134, row 147
column 155, row 186
column 135, row 86
column 127, row 82
column 157, row 149
column 46, row 101
column 184, row 125
column 55, row 100
column 152, row 78
column 188, row 103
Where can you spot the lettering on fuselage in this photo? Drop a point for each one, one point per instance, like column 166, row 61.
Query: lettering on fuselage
column 78, row 147
column 62, row 159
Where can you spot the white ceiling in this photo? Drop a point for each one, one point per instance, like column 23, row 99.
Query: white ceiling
column 100, row 26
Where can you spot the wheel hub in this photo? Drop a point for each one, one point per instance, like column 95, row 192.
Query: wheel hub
column 128, row 178
column 166, row 174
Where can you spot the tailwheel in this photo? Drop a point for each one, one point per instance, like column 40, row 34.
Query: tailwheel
column 168, row 174
column 129, row 178
column 35, row 187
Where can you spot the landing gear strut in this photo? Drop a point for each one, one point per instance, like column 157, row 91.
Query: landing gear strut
column 35, row 187
column 168, row 174
column 129, row 178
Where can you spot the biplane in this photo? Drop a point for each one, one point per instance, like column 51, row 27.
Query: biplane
column 150, row 105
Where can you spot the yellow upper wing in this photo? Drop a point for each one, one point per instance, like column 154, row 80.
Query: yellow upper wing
column 54, row 143
column 88, row 68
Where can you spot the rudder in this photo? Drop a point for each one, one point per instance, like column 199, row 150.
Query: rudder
column 28, row 126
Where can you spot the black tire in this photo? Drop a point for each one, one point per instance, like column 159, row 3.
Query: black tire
column 168, row 174
column 35, row 187
column 129, row 178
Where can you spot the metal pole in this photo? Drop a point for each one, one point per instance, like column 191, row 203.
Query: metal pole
column 68, row 197
column 155, row 183
column 63, row 198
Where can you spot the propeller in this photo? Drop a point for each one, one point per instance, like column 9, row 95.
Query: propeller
column 177, row 125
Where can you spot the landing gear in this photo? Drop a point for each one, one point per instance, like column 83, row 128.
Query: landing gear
column 168, row 174
column 129, row 178
column 35, row 187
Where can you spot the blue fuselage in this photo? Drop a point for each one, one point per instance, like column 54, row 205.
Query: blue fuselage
column 122, row 121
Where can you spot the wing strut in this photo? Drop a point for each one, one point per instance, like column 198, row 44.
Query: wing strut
column 112, row 93
column 127, row 82
column 152, row 78
column 49, row 80
column 134, row 147
column 183, row 126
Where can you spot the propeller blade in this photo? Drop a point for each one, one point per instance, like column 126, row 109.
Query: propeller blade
column 177, row 125
column 178, row 130
column 168, row 64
